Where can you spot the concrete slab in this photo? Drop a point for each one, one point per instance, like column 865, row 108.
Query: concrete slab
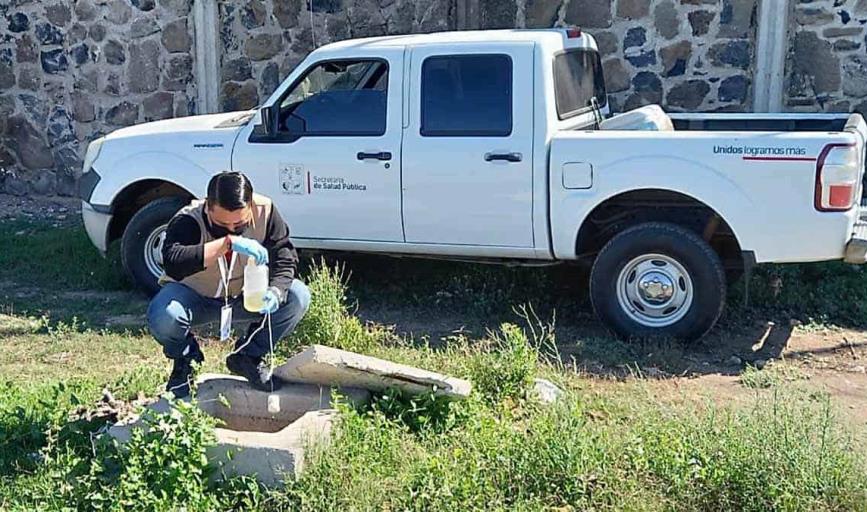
column 271, row 457
column 328, row 366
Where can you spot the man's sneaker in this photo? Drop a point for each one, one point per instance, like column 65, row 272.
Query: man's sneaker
column 182, row 372
column 253, row 369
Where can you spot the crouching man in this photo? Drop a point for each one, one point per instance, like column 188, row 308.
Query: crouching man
column 206, row 247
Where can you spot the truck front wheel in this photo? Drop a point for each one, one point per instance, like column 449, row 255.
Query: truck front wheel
column 658, row 280
column 142, row 242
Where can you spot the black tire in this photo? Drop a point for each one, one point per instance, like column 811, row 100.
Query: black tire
column 146, row 221
column 701, row 264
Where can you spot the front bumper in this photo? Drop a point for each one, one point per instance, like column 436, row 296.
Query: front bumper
column 96, row 224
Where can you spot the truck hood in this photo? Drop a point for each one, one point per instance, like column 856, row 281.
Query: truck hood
column 183, row 151
column 216, row 126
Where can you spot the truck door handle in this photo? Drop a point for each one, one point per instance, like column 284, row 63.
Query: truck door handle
column 382, row 155
column 508, row 157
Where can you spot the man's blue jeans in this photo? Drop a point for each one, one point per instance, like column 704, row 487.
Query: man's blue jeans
column 176, row 309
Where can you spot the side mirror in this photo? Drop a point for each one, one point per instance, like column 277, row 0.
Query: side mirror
column 269, row 120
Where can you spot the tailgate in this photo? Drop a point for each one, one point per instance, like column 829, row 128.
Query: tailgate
column 857, row 126
column 856, row 248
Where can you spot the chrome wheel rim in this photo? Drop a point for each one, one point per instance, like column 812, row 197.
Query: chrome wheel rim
column 153, row 250
column 654, row 290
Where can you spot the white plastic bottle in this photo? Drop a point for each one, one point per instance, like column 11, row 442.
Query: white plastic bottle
column 255, row 285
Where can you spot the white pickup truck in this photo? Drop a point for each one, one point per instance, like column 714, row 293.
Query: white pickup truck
column 498, row 146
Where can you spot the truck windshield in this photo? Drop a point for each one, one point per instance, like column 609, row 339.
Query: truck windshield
column 577, row 80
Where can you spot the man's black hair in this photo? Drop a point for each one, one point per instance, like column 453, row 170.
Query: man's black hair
column 230, row 190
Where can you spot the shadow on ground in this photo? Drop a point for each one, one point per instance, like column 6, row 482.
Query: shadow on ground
column 430, row 301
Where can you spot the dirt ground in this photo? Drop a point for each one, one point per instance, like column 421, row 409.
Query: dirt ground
column 55, row 208
column 818, row 361
column 738, row 359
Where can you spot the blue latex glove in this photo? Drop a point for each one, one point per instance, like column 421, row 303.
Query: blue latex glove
column 251, row 248
column 271, row 301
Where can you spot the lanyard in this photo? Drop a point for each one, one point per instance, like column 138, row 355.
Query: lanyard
column 225, row 275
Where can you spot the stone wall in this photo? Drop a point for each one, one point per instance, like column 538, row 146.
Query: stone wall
column 73, row 70
column 262, row 41
column 693, row 55
column 826, row 67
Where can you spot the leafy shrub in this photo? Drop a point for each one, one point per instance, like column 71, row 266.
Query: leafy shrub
column 168, row 462
column 504, row 365
column 29, row 415
column 328, row 321
column 418, row 413
column 163, row 467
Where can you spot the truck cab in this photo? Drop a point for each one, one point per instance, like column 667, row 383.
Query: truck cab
column 432, row 144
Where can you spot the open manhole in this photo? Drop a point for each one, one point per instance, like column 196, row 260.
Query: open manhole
column 264, row 434
column 256, row 440
column 241, row 407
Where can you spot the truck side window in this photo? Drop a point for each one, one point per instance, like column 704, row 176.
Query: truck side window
column 466, row 95
column 578, row 79
column 337, row 98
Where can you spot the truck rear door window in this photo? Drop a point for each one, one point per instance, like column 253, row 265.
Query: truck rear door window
column 338, row 98
column 577, row 80
column 466, row 95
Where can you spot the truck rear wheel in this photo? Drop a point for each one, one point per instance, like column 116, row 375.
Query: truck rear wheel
column 658, row 280
column 142, row 242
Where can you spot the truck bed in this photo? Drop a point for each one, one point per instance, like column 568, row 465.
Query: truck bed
column 756, row 171
column 776, row 122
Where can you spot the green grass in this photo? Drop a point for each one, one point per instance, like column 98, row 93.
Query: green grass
column 824, row 293
column 771, row 376
column 775, row 456
column 620, row 451
column 62, row 259
column 618, row 448
column 63, row 351
column 56, row 273
column 38, row 254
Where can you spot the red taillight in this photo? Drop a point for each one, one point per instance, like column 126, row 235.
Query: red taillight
column 838, row 170
column 840, row 196
column 573, row 32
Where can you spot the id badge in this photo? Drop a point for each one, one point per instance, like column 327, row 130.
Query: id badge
column 225, row 322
